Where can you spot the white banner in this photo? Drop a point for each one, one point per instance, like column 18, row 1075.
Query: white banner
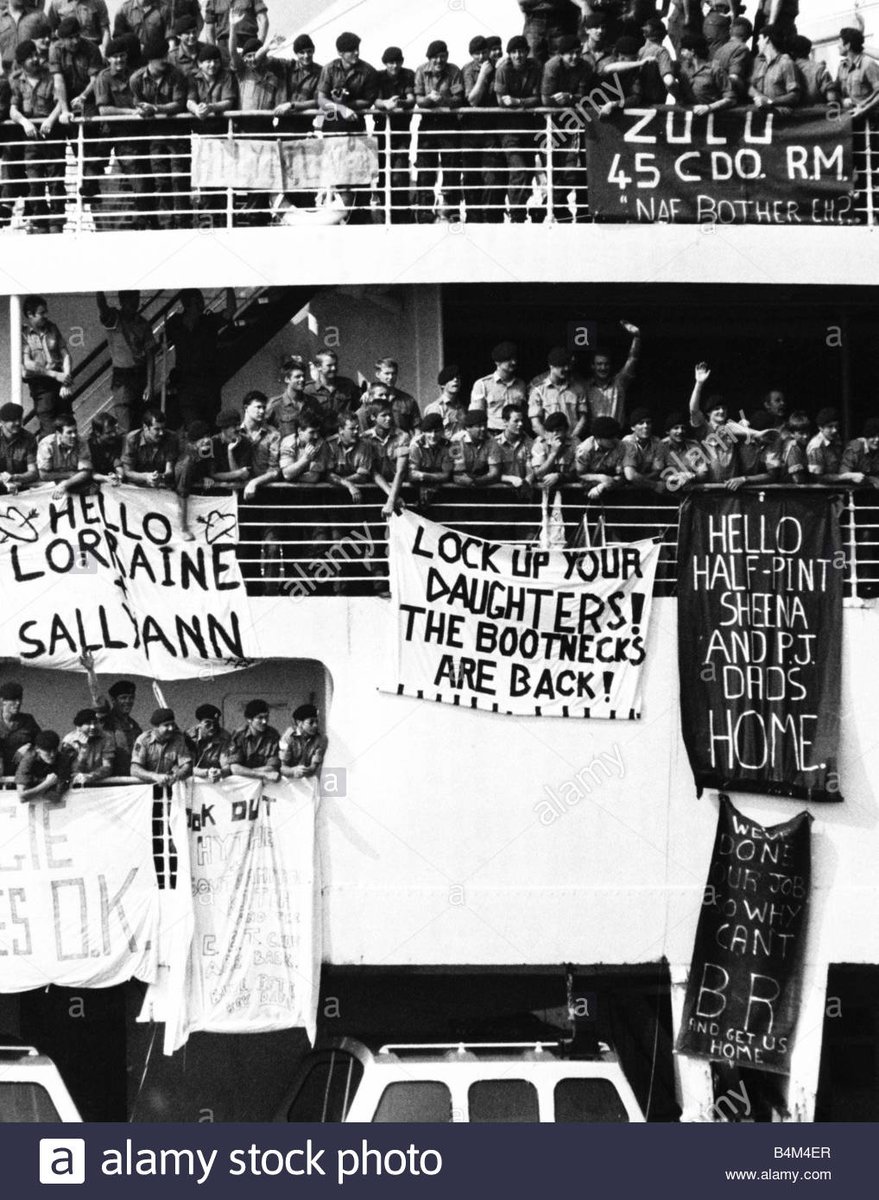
column 79, row 899
column 256, row 950
column 517, row 629
column 265, row 165
column 111, row 574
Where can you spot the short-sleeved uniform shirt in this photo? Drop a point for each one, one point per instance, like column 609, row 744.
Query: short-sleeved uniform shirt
column 792, row 460
column 216, row 13
column 220, row 87
column 265, row 448
column 92, row 15
column 92, row 757
column 721, row 448
column 208, row 752
column 285, row 414
column 302, row 83
column 332, row 402
column 162, row 758
column 436, row 459
column 564, row 463
column 515, row 456
column 126, row 731
column 407, row 414
column 823, row 457
column 447, row 81
column 32, row 770
column 354, row 459
column 777, row 78
column 19, row 731
column 734, row 58
column 468, row 458
column 293, row 447
column 347, row 84
column 113, row 89
column 402, row 84
column 567, row 398
column 644, row 456
column 45, row 347
column 677, row 456
column 816, row 80
column 857, row 456
column 145, row 20
column 261, row 88
column 18, row 453
column 168, row 87
column 386, row 451
column 139, row 454
column 185, row 62
column 470, row 73
column 53, row 455
column 77, row 66
column 34, row 97
column 558, row 77
column 254, row 750
column 13, row 33
column 858, row 79
column 759, row 457
column 704, row 83
column 452, row 415
column 301, row 750
column 521, row 84
column 609, row 399
column 492, row 394
column 658, row 64
column 594, row 459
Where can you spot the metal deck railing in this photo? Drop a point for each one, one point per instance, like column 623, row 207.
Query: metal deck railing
column 312, row 540
column 474, row 165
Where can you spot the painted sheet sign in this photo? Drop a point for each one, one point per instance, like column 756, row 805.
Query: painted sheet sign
column 111, row 574
column 255, row 959
column 517, row 629
column 265, row 165
column 79, row 900
column 739, row 166
column 760, row 582
column 745, row 978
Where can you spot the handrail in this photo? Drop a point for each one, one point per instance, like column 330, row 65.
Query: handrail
column 148, row 188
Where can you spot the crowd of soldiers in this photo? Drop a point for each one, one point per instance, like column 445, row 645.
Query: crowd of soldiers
column 106, row 741
column 168, row 59
column 561, row 428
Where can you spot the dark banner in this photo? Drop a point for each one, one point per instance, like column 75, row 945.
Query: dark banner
column 760, row 579
column 731, row 167
column 743, row 992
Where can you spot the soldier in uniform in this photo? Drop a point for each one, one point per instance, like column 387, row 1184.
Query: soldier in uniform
column 303, row 746
column 17, row 729
column 120, row 721
column 253, row 750
column 209, row 744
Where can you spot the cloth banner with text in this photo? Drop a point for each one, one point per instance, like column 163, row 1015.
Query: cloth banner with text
column 309, row 164
column 111, row 574
column 517, row 629
column 745, row 980
column 79, row 896
column 737, row 166
column 760, row 582
column 254, row 963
